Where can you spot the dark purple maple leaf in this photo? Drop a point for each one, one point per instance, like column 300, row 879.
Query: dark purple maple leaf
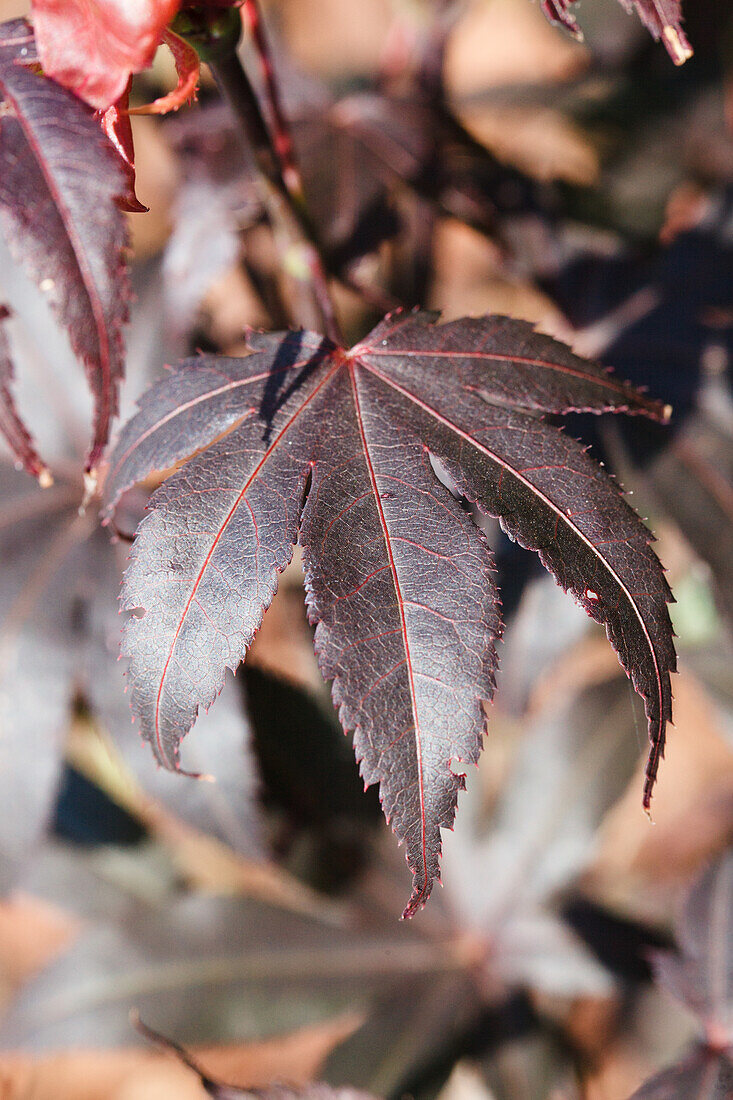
column 662, row 18
column 60, row 178
column 305, row 441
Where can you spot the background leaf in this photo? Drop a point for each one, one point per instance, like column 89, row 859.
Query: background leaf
column 59, row 215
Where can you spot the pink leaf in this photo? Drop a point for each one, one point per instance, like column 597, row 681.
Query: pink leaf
column 94, row 46
column 188, row 69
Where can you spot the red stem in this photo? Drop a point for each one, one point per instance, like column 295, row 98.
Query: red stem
column 235, row 86
column 282, row 136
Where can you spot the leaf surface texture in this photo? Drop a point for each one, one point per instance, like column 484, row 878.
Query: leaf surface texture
column 305, row 441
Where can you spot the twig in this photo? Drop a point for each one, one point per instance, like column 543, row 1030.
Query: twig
column 283, row 138
column 276, row 162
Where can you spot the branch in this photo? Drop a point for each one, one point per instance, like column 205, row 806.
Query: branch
column 216, row 41
column 283, row 139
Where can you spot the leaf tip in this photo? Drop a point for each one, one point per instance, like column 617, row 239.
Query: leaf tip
column 421, row 891
column 678, row 47
column 90, row 482
column 45, row 477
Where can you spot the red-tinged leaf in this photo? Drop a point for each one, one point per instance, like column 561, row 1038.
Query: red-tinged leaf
column 551, row 498
column 94, row 46
column 59, row 184
column 333, row 447
column 118, row 128
column 12, row 427
column 399, row 582
column 505, row 362
column 662, row 18
column 188, row 70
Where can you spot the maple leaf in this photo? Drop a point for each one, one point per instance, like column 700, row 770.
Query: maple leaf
column 332, row 448
column 59, row 182
column 662, row 18
column 94, row 48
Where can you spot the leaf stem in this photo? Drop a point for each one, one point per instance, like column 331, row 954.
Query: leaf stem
column 283, row 178
column 283, row 139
